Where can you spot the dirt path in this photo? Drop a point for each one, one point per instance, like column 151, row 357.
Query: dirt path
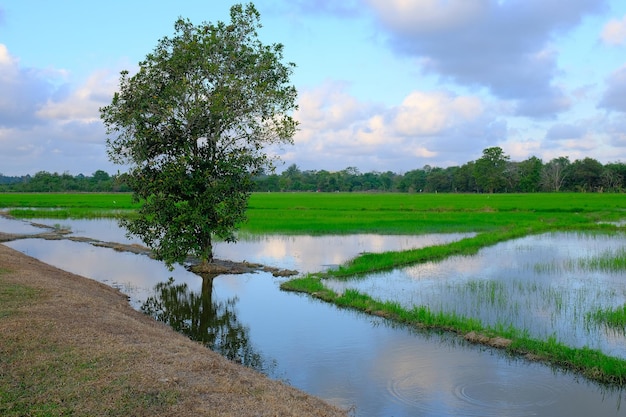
column 77, row 347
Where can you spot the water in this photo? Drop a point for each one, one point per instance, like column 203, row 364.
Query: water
column 535, row 283
column 347, row 358
column 12, row 226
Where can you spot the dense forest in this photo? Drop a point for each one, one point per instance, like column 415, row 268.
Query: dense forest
column 494, row 172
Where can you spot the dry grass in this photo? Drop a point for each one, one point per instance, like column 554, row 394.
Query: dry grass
column 72, row 346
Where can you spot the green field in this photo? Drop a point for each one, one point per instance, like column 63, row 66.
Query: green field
column 341, row 213
column 492, row 217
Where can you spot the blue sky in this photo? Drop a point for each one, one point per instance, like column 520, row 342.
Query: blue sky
column 384, row 85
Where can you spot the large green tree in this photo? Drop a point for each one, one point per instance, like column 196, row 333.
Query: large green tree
column 193, row 126
column 489, row 170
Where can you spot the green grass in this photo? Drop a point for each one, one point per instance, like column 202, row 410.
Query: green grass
column 494, row 218
column 346, row 213
column 343, row 213
column 612, row 261
column 376, row 262
column 591, row 363
column 614, row 318
column 67, row 205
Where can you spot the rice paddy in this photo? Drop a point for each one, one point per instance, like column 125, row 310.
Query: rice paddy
column 567, row 288
column 546, row 273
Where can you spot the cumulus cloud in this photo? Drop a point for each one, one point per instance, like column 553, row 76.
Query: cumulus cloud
column 43, row 115
column 614, row 97
column 24, row 90
column 501, row 45
column 335, row 127
column 84, row 102
column 426, row 114
column 614, row 32
column 576, row 140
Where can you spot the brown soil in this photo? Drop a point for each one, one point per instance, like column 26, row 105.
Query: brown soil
column 105, row 358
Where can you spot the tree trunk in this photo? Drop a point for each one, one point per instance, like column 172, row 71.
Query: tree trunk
column 208, row 251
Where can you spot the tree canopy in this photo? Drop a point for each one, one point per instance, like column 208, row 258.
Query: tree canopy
column 489, row 169
column 193, row 125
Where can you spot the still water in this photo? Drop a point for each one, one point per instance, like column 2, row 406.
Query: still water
column 347, row 358
column 545, row 284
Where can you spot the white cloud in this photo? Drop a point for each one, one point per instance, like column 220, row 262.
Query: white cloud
column 329, row 105
column 24, row 90
column 84, row 102
column 616, row 131
column 425, row 114
column 336, row 128
column 614, row 32
column 6, row 60
column 46, row 124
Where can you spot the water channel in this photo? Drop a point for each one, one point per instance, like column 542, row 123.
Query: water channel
column 348, row 358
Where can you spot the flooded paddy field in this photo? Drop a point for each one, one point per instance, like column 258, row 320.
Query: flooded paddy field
column 368, row 364
column 547, row 285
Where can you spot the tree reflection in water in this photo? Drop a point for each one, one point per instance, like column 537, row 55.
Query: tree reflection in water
column 196, row 315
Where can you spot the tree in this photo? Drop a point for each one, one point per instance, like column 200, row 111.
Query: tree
column 553, row 173
column 439, row 180
column 613, row 176
column 193, row 124
column 585, row 175
column 490, row 168
column 464, row 180
column 291, row 179
column 530, row 174
column 413, row 181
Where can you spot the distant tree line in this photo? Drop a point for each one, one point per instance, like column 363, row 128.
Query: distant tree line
column 99, row 181
column 493, row 172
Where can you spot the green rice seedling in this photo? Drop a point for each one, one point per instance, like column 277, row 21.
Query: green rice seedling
column 487, row 292
column 310, row 284
column 609, row 261
column 103, row 201
column 591, row 363
column 369, row 262
column 613, row 317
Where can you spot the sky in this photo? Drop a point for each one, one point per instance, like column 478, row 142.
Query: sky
column 383, row 85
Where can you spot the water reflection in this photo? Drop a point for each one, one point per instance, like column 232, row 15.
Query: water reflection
column 344, row 357
column 106, row 230
column 198, row 316
column 537, row 283
column 301, row 253
column 13, row 226
column 388, row 370
column 316, row 253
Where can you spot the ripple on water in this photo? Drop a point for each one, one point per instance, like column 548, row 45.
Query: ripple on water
column 510, row 395
column 516, row 397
